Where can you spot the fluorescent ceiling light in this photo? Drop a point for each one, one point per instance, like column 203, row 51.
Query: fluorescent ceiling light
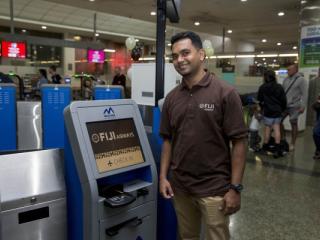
column 153, row 13
column 147, row 58
column 109, row 50
column 289, row 55
column 227, row 56
column 169, row 44
column 267, row 55
column 77, row 38
column 212, row 57
column 44, row 27
column 91, row 0
column 243, row 0
column 229, row 31
column 245, row 56
column 196, row 23
column 280, row 14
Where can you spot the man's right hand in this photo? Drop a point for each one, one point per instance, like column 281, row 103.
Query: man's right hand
column 165, row 189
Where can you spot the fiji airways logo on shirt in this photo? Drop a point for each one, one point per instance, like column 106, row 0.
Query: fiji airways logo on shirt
column 207, row 106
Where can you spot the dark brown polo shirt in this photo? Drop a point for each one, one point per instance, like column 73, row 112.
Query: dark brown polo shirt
column 200, row 124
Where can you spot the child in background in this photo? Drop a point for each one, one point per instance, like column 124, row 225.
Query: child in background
column 316, row 129
column 254, row 137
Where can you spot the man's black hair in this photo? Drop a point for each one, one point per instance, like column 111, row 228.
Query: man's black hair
column 43, row 72
column 195, row 39
column 269, row 76
column 53, row 67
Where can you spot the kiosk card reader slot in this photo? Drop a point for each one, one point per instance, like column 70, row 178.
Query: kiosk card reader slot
column 110, row 172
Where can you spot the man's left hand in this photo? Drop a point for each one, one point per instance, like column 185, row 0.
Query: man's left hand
column 232, row 202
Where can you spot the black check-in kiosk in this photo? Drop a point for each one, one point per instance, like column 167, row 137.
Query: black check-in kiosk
column 110, row 172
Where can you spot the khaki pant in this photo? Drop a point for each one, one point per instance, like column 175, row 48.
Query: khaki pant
column 191, row 211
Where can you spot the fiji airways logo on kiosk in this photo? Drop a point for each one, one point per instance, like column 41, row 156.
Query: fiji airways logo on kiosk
column 108, row 112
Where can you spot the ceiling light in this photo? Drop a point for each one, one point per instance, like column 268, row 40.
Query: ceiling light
column 196, row 23
column 267, row 55
column 243, row 0
column 289, row 55
column 97, row 34
column 256, row 62
column 44, row 27
column 225, row 56
column 274, row 60
column 294, row 47
column 23, row 30
column 229, row 31
column 169, row 44
column 280, row 14
column 262, row 52
column 303, row 2
column 137, row 40
column 153, row 13
column 91, row 0
column 263, row 59
column 264, row 40
column 109, row 50
column 245, row 56
column 279, row 43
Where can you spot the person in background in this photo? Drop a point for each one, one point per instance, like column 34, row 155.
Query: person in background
column 55, row 77
column 273, row 103
column 316, row 129
column 294, row 86
column 5, row 78
column 119, row 78
column 43, row 79
column 200, row 119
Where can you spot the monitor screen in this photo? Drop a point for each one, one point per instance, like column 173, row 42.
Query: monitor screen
column 115, row 144
column 95, row 56
column 13, row 49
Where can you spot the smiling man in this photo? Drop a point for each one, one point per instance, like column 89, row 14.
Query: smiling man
column 199, row 171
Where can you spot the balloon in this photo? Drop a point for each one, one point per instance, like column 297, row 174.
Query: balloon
column 136, row 53
column 130, row 43
column 209, row 51
column 208, row 48
column 207, row 44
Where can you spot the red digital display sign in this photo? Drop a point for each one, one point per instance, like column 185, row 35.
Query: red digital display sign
column 13, row 49
column 96, row 56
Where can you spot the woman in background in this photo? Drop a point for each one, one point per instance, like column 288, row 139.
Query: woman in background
column 273, row 102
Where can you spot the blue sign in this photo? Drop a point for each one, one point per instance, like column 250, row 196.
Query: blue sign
column 54, row 100
column 103, row 93
column 8, row 118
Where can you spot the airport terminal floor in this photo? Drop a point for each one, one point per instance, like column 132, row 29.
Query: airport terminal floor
column 281, row 195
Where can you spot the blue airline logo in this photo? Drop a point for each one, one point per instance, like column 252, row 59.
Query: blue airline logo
column 108, row 112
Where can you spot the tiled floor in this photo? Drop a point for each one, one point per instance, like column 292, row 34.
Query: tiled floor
column 281, row 197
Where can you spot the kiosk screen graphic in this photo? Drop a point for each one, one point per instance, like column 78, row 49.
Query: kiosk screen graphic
column 115, row 144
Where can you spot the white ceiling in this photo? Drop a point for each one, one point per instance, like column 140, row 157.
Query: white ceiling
column 250, row 21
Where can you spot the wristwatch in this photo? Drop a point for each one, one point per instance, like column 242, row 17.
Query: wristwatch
column 237, row 187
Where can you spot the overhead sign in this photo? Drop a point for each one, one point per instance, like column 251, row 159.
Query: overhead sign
column 310, row 46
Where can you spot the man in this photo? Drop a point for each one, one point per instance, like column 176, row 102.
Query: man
column 199, row 119
column 294, row 87
column 55, row 77
column 119, row 79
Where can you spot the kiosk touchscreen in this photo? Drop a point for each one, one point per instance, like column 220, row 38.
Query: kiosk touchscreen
column 110, row 172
